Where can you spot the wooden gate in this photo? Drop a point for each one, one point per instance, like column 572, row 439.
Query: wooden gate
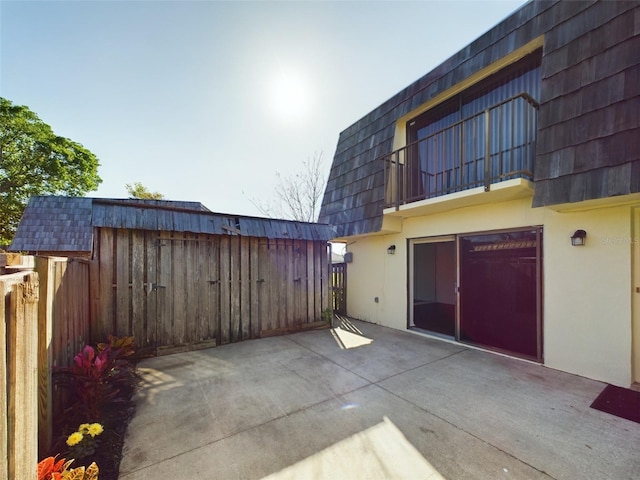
column 339, row 287
column 187, row 293
column 181, row 291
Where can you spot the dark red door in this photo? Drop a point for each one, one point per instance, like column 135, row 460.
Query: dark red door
column 500, row 290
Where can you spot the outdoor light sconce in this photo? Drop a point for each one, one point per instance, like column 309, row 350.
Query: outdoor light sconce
column 391, row 250
column 578, row 238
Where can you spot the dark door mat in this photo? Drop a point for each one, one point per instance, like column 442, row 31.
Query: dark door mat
column 618, row 401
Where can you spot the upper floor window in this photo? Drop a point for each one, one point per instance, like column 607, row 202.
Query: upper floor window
column 482, row 135
column 521, row 77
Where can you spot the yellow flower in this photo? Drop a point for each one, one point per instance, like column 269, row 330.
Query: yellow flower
column 74, row 439
column 84, row 428
column 95, row 429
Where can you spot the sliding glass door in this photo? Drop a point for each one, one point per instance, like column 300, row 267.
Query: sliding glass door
column 483, row 289
column 500, row 281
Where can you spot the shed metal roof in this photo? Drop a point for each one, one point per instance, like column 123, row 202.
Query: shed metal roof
column 65, row 224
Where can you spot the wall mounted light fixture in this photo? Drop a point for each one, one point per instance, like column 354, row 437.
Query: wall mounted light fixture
column 578, row 239
column 391, row 250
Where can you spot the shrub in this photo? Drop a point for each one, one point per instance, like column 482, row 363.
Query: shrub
column 124, row 345
column 99, row 386
column 52, row 469
column 99, row 378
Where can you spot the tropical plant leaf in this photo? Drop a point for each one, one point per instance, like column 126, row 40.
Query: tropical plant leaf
column 75, row 474
column 66, row 465
column 45, row 468
column 60, row 465
column 92, row 472
column 124, row 346
column 49, row 468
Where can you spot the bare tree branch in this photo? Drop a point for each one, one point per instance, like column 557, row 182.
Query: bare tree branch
column 298, row 194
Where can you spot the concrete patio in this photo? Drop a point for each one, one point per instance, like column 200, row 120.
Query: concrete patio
column 365, row 401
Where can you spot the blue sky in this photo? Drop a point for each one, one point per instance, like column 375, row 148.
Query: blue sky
column 207, row 100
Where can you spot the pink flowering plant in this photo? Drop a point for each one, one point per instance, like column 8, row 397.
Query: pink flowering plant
column 98, row 376
column 97, row 387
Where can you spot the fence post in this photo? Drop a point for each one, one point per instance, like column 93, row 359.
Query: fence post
column 22, row 372
column 44, row 266
column 4, row 382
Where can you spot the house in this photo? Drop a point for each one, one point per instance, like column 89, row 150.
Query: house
column 177, row 276
column 495, row 201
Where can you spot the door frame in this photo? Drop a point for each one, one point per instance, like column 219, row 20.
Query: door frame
column 411, row 242
column 635, row 292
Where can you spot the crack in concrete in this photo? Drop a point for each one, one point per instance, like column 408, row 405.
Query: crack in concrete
column 431, row 362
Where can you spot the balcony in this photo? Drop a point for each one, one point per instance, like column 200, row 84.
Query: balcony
column 492, row 146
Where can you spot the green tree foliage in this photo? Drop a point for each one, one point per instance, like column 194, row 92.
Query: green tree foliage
column 137, row 190
column 35, row 161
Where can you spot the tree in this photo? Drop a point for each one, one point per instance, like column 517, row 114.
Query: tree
column 137, row 190
column 35, row 161
column 298, row 194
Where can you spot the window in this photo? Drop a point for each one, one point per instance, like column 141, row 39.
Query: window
column 521, row 77
column 484, row 134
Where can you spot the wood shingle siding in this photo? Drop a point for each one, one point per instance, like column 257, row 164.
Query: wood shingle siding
column 588, row 119
column 589, row 123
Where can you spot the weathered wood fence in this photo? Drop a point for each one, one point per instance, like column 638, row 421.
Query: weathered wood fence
column 172, row 291
column 178, row 291
column 339, row 287
column 44, row 322
column 64, row 327
column 19, row 376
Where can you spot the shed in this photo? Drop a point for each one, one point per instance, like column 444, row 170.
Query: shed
column 178, row 276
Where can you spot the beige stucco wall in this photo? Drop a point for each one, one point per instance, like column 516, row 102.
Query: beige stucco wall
column 587, row 291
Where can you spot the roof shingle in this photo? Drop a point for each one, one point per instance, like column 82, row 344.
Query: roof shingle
column 65, row 224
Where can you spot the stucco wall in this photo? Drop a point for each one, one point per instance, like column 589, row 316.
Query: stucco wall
column 588, row 296
column 586, row 290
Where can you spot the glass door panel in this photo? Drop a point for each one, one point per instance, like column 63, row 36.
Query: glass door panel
column 433, row 299
column 500, row 291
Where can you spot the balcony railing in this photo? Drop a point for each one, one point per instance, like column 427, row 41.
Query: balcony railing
column 494, row 145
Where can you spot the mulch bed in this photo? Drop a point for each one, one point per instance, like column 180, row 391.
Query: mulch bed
column 108, row 454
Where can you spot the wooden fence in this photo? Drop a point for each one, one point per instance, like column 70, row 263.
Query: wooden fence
column 171, row 291
column 179, row 291
column 339, row 287
column 64, row 326
column 19, row 376
column 44, row 323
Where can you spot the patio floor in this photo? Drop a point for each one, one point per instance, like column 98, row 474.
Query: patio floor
column 365, row 401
